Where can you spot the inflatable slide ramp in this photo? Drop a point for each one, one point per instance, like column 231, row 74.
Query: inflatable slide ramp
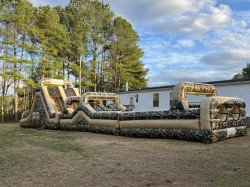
column 58, row 105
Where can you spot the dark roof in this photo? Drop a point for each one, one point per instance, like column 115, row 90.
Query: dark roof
column 171, row 86
column 226, row 81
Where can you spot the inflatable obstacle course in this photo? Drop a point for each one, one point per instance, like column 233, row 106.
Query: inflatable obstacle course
column 58, row 105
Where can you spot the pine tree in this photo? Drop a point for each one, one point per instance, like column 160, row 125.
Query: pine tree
column 16, row 23
column 101, row 21
column 125, row 57
column 53, row 41
column 245, row 73
column 98, row 39
column 75, row 18
column 65, row 54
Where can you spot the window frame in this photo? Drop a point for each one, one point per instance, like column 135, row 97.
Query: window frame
column 136, row 98
column 156, row 100
column 131, row 100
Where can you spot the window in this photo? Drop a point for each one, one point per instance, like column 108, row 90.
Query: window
column 156, row 100
column 131, row 100
column 170, row 98
column 136, row 98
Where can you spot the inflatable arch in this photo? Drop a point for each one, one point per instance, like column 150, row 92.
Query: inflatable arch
column 58, row 105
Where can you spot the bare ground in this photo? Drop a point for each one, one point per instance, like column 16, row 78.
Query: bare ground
column 30, row 157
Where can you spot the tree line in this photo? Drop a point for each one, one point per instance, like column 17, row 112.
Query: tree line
column 83, row 42
column 244, row 74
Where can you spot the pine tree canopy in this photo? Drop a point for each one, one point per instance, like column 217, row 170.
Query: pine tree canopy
column 85, row 37
column 83, row 42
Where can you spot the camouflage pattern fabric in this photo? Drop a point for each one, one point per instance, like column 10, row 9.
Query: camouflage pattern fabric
column 224, row 117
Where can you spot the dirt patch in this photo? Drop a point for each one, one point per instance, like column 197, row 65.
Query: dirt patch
column 31, row 157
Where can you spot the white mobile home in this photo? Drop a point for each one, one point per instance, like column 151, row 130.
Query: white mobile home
column 158, row 98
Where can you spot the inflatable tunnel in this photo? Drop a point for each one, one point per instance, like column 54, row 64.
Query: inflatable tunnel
column 58, row 105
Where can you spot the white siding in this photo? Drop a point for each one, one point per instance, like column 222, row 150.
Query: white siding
column 145, row 98
column 195, row 98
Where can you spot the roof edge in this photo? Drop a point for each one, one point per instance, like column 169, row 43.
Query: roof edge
column 171, row 86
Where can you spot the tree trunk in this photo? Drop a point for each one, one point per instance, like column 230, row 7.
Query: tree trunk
column 3, row 96
column 2, row 113
column 15, row 86
column 64, row 67
column 3, row 101
column 16, row 99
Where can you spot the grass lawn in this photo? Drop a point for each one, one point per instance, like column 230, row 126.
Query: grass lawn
column 30, row 157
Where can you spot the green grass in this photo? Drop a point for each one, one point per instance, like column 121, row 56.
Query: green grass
column 22, row 149
column 31, row 155
column 47, row 139
column 238, row 179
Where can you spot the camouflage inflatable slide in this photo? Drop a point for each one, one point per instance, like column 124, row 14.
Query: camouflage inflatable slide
column 58, row 105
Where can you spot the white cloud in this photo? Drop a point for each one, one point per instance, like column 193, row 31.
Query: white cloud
column 231, row 59
column 160, row 61
column 188, row 16
column 186, row 43
column 242, row 16
column 146, row 10
column 199, row 23
column 232, row 40
column 173, row 77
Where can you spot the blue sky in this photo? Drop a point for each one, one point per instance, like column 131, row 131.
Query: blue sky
column 187, row 40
